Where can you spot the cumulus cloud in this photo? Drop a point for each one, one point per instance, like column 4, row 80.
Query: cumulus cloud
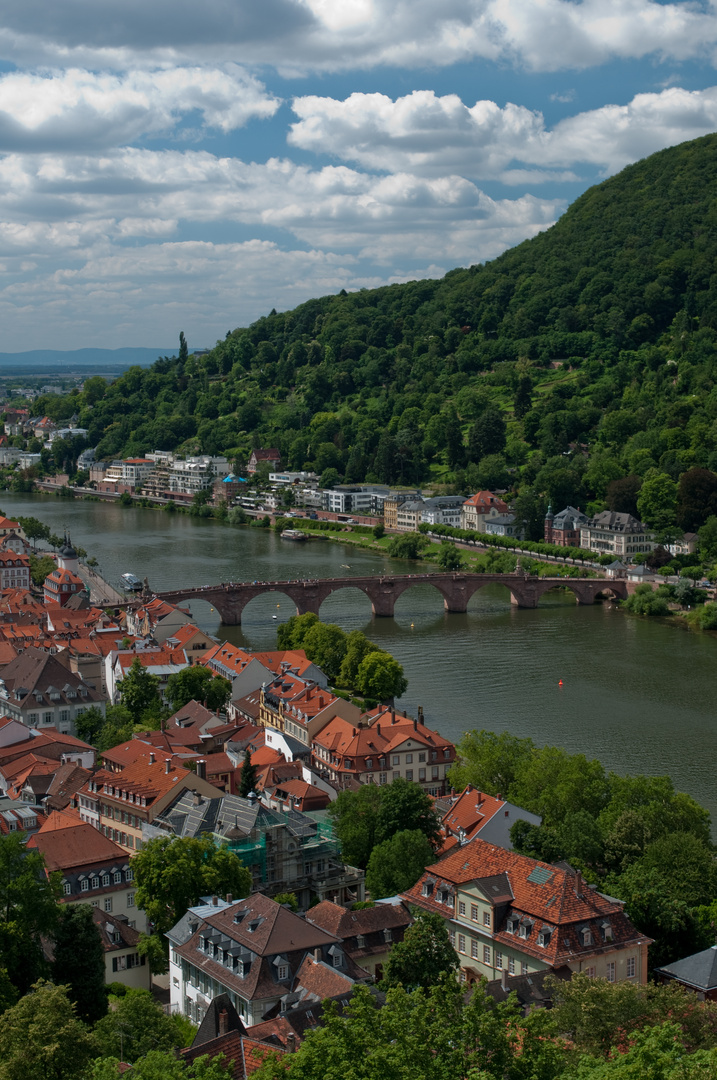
column 105, row 233
column 80, row 109
column 430, row 135
column 541, row 35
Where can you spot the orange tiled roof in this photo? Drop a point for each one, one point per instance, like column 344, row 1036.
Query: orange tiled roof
column 73, row 846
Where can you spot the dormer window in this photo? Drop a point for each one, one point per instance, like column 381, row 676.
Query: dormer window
column 360, row 941
column 282, row 972
column 512, row 924
column 427, row 888
column 544, row 936
column 586, row 936
column 607, row 931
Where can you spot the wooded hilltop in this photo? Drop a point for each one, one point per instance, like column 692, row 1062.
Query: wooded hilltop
column 575, row 368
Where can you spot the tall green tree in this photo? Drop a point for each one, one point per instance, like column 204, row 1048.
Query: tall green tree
column 380, row 677
column 490, row 762
column 397, row 864
column 657, row 501
column 354, row 816
column 405, row 805
column 28, row 911
column 136, row 1026
column 79, row 961
column 357, row 647
column 247, row 778
column 487, row 436
column 172, row 873
column 198, row 683
column 42, row 1036
column 139, row 692
column 325, row 644
column 424, row 955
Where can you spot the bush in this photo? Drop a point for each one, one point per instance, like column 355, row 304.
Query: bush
column 644, row 601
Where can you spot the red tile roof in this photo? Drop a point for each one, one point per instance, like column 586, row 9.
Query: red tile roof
column 71, row 846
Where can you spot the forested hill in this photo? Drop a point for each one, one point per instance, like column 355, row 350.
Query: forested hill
column 596, row 335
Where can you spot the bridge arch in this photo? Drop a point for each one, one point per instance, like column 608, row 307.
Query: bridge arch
column 400, row 588
column 271, row 601
column 505, row 581
column 336, row 592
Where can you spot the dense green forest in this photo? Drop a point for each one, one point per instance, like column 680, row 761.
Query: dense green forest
column 576, row 367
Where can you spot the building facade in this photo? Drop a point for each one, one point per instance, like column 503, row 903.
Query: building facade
column 621, row 535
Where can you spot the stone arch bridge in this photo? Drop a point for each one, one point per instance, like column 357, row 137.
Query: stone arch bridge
column 231, row 598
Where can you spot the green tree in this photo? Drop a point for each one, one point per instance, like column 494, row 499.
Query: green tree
column 487, row 436
column 696, row 498
column 34, row 529
column 135, row 1026
column 707, row 536
column 397, row 864
column 424, row 955
column 380, row 677
column 407, row 546
column 118, row 727
column 28, row 910
column 40, row 568
column 287, row 898
column 379, row 531
column 354, row 816
column 172, row 873
column 404, row 805
column 89, row 724
column 163, row 1065
column 357, row 647
column 198, row 683
column 139, row 692
column 291, row 634
column 645, row 601
column 325, row 645
column 329, row 478
column 657, row 501
column 42, row 1036
column 247, row 779
column 489, row 762
column 449, row 557
column 79, row 961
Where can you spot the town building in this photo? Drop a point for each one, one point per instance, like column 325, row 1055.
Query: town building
column 686, row 544
column 162, row 662
column 123, row 963
column 121, row 803
column 60, row 586
column 504, row 525
column 257, row 458
column 300, row 708
column 12, row 536
column 697, row 973
column 408, row 515
column 505, row 911
column 248, row 671
column 479, row 507
column 14, row 570
column 41, row 692
column 285, row 851
column 93, row 869
column 621, row 535
column 367, row 935
column 563, row 529
column 384, row 745
column 256, row 951
column 473, row 814
column 443, row 510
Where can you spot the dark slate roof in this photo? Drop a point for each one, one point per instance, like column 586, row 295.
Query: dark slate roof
column 210, row 1027
column 698, row 970
column 231, row 817
column 529, row 989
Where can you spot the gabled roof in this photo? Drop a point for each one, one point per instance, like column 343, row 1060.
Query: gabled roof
column 71, row 846
column 111, row 927
column 345, row 923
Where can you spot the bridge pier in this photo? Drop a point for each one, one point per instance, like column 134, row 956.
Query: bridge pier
column 383, row 605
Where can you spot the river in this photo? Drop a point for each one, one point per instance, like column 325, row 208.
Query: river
column 636, row 694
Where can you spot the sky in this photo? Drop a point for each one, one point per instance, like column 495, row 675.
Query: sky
column 171, row 165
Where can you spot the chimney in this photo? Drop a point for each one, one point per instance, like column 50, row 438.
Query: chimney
column 215, row 901
column 291, row 1042
column 167, row 766
column 415, row 725
column 578, row 884
column 393, row 716
column 504, row 979
column 420, row 713
column 202, row 770
column 151, row 758
column 317, row 955
column 223, row 1022
column 230, row 898
column 378, row 729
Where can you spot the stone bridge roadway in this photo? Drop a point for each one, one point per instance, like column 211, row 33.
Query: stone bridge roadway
column 231, row 598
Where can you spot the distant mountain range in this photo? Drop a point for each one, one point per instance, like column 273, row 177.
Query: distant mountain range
column 58, row 360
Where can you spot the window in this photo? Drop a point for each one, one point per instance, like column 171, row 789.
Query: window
column 461, row 908
column 474, row 948
column 586, row 936
column 452, row 936
column 108, row 904
column 95, row 883
column 499, row 960
column 396, row 775
column 434, row 773
column 461, row 943
column 85, row 885
column 409, row 759
column 66, row 888
column 282, row 972
column 382, row 778
column 105, row 879
column 130, row 899
column 409, row 774
column 421, row 774
column 395, row 760
column 611, row 971
column 511, row 966
column 338, row 959
column 590, row 971
column 47, row 717
column 117, row 876
column 422, row 757
column 129, row 875
column 486, row 918
column 631, row 967
column 486, row 954
column 523, row 968
column 119, row 963
column 474, row 912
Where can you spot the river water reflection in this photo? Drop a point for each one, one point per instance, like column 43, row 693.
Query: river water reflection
column 636, row 694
